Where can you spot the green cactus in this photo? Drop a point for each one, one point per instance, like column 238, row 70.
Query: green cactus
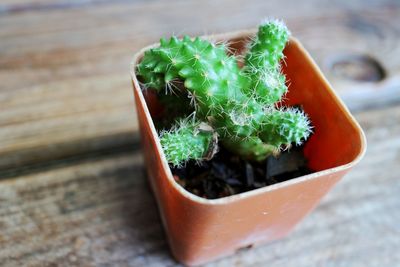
column 262, row 63
column 188, row 140
column 239, row 104
column 209, row 74
column 285, row 126
column 266, row 49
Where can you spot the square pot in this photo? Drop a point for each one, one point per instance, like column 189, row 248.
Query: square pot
column 200, row 230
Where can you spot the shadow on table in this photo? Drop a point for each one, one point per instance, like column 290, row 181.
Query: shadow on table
column 142, row 223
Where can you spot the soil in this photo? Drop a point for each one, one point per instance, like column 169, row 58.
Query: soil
column 227, row 174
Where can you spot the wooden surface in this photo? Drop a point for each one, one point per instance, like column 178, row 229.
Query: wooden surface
column 72, row 186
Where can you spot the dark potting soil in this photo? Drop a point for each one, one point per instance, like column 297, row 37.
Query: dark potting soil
column 227, row 174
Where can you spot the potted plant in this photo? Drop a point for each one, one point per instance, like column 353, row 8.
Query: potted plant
column 204, row 100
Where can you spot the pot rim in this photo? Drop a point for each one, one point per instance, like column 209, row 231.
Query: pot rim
column 258, row 191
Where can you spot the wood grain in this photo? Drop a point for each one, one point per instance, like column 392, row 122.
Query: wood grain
column 64, row 70
column 100, row 212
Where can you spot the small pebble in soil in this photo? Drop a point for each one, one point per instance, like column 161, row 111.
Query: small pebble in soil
column 227, row 174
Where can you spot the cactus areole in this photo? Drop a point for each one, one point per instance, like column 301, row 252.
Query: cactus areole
column 231, row 106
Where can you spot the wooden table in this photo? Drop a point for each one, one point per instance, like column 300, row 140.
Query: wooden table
column 73, row 191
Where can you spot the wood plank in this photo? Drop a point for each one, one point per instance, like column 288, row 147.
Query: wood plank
column 100, row 212
column 67, row 221
column 18, row 6
column 64, row 72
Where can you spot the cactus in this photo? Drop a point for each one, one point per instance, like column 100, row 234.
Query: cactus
column 238, row 103
column 188, row 139
column 209, row 74
column 285, row 126
column 262, row 62
column 266, row 49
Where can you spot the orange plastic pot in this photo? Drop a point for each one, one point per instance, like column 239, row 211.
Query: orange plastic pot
column 200, row 230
